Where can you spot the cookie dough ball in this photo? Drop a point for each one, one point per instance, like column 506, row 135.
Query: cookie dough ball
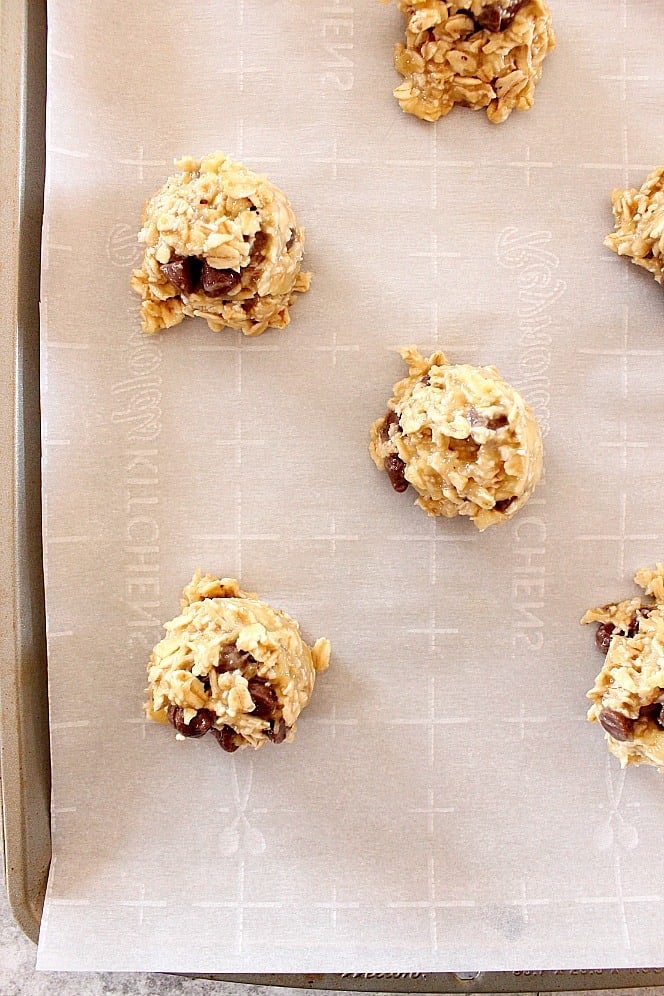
column 639, row 226
column 232, row 666
column 628, row 695
column 462, row 437
column 222, row 244
column 478, row 53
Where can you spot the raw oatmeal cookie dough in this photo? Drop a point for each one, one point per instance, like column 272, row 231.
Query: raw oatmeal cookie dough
column 222, row 244
column 478, row 53
column 232, row 665
column 639, row 230
column 462, row 437
column 628, row 695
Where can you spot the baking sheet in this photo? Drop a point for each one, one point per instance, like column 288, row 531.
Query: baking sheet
column 445, row 806
column 24, row 753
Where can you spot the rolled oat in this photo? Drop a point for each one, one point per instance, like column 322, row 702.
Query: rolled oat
column 464, row 439
column 639, row 229
column 628, row 694
column 232, row 665
column 478, row 53
column 223, row 244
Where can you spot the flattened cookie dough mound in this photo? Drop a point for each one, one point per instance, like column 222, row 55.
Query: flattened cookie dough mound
column 639, row 230
column 222, row 244
column 233, row 666
column 462, row 437
column 478, row 53
column 628, row 695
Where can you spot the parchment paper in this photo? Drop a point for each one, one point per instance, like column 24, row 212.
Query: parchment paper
column 445, row 806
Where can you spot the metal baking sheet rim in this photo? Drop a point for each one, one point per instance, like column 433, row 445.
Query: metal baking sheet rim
column 24, row 752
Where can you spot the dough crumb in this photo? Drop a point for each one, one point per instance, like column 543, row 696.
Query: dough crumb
column 477, row 53
column 462, row 437
column 222, row 243
column 233, row 666
column 628, row 694
column 639, row 224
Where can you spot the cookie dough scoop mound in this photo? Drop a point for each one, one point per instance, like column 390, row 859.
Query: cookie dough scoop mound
column 222, row 243
column 462, row 437
column 477, row 53
column 232, row 666
column 639, row 228
column 628, row 695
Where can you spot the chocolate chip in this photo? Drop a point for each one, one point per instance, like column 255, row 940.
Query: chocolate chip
column 499, row 16
column 395, row 468
column 216, row 283
column 291, row 240
column 497, row 422
column 197, row 727
column 175, row 716
column 504, row 504
column 653, row 711
column 390, row 419
column 278, row 732
column 201, row 723
column 260, row 241
column 489, row 19
column 225, row 737
column 616, row 725
column 231, row 659
column 603, row 636
column 264, row 698
column 184, row 272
